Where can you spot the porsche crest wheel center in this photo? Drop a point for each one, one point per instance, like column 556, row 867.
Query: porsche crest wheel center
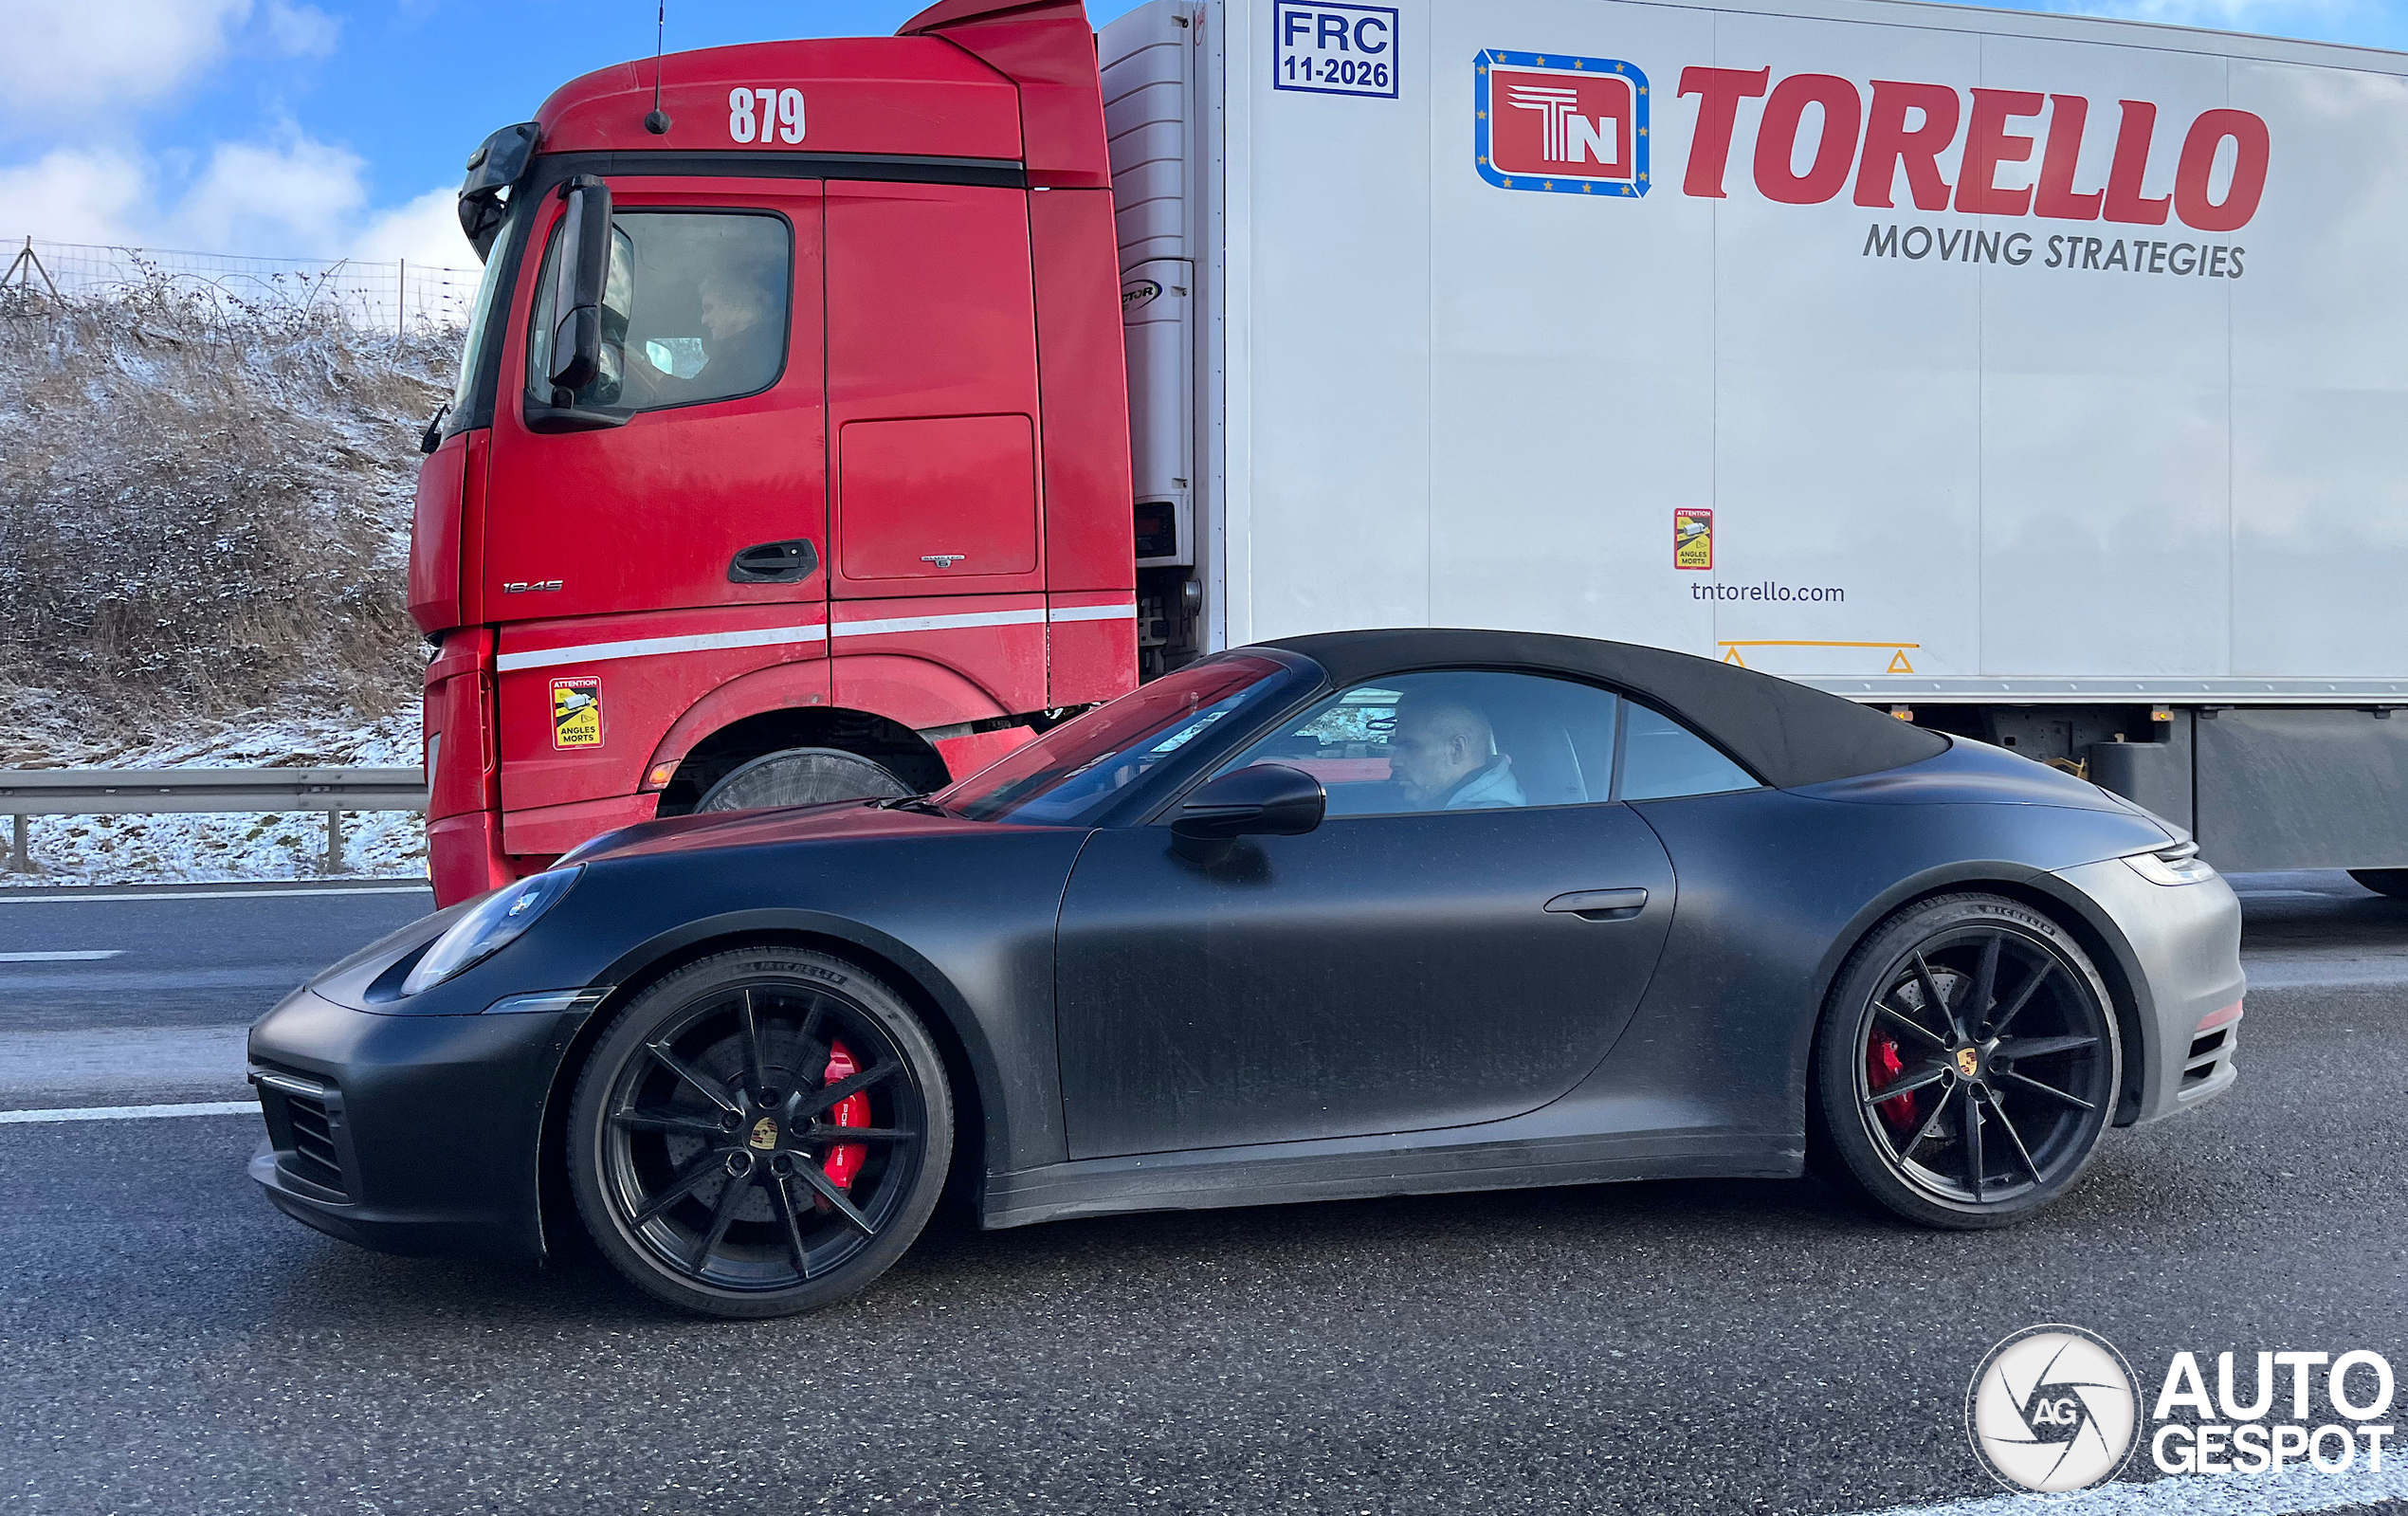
column 764, row 1134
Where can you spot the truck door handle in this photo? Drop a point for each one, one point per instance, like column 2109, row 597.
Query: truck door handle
column 1600, row 905
column 774, row 563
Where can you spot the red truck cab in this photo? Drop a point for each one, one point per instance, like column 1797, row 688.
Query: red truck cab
column 830, row 494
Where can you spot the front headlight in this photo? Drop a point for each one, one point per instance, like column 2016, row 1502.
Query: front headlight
column 2178, row 865
column 496, row 921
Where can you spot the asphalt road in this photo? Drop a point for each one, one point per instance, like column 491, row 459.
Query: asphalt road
column 168, row 1343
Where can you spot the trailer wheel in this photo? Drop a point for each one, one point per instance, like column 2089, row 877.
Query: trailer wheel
column 802, row 775
column 2392, row 881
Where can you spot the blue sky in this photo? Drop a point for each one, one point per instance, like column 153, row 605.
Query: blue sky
column 329, row 128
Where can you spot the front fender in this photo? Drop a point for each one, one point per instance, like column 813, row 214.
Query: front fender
column 1008, row 1102
column 964, row 919
column 2111, row 951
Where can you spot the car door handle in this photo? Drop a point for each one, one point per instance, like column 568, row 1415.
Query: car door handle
column 774, row 563
column 1600, row 905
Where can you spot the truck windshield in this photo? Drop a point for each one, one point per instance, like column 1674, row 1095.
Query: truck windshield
column 480, row 320
column 1074, row 770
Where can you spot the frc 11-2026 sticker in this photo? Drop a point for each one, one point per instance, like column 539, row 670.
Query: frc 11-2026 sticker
column 1334, row 49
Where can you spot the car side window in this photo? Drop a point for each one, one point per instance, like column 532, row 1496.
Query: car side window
column 1452, row 740
column 694, row 308
column 1661, row 760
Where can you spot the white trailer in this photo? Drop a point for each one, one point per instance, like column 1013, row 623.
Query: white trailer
column 2043, row 379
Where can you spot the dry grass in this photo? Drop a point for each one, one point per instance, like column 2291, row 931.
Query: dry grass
column 204, row 516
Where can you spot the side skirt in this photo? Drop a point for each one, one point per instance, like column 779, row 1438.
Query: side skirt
column 1363, row 1168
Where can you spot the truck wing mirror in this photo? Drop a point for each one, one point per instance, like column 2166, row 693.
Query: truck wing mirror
column 576, row 301
column 493, row 168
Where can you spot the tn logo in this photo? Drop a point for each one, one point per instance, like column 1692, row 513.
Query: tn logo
column 1568, row 135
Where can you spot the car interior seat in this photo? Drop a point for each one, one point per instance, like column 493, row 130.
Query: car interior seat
column 1544, row 759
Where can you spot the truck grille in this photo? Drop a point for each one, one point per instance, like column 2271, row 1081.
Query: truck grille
column 305, row 1125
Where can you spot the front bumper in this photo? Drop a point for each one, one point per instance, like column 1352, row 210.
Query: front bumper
column 413, row 1133
column 2184, row 959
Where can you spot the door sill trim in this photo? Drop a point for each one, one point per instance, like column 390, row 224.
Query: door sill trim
column 1360, row 1168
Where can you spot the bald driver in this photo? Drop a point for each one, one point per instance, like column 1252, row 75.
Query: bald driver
column 1444, row 755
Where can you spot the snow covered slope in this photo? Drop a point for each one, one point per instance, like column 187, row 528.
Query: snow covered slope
column 204, row 526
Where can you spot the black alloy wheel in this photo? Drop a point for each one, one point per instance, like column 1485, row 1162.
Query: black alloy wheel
column 1967, row 1064
column 761, row 1132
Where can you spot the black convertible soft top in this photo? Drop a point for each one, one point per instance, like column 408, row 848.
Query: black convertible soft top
column 1786, row 734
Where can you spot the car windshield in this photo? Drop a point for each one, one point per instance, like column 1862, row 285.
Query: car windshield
column 1074, row 771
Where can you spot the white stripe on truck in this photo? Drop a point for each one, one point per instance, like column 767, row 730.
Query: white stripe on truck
column 774, row 636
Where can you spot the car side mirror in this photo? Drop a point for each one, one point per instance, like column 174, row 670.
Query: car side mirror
column 1261, row 800
column 576, row 301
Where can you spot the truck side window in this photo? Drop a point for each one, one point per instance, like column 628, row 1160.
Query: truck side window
column 695, row 309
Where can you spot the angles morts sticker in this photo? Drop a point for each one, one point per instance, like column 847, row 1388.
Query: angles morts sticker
column 1692, row 537
column 576, row 712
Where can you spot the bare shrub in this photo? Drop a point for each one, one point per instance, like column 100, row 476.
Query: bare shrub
column 204, row 507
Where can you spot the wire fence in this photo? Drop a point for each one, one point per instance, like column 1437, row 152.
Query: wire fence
column 394, row 297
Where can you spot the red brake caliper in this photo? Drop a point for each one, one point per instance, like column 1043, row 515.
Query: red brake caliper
column 844, row 1161
column 1883, row 1066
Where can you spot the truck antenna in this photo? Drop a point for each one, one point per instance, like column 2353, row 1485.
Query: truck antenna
column 658, row 122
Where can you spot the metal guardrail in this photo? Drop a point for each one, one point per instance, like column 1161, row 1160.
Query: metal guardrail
column 29, row 792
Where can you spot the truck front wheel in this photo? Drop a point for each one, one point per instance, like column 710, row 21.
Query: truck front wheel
column 802, row 775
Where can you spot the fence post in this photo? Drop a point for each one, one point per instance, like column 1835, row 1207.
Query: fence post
column 21, row 850
column 333, row 861
column 401, row 300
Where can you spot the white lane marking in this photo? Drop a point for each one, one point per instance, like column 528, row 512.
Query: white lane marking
column 86, row 956
column 774, row 636
column 6, row 899
column 130, row 1113
column 2287, row 1494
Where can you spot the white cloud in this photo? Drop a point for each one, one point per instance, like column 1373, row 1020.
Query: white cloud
column 424, row 230
column 300, row 31
column 300, row 199
column 79, row 57
column 71, row 195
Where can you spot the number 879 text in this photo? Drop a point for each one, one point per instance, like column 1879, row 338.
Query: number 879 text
column 780, row 117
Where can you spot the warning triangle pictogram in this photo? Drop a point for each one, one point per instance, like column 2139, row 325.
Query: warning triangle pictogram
column 1731, row 656
column 1898, row 663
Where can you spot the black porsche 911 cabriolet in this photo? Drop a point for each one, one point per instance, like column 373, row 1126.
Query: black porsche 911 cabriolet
column 1358, row 914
